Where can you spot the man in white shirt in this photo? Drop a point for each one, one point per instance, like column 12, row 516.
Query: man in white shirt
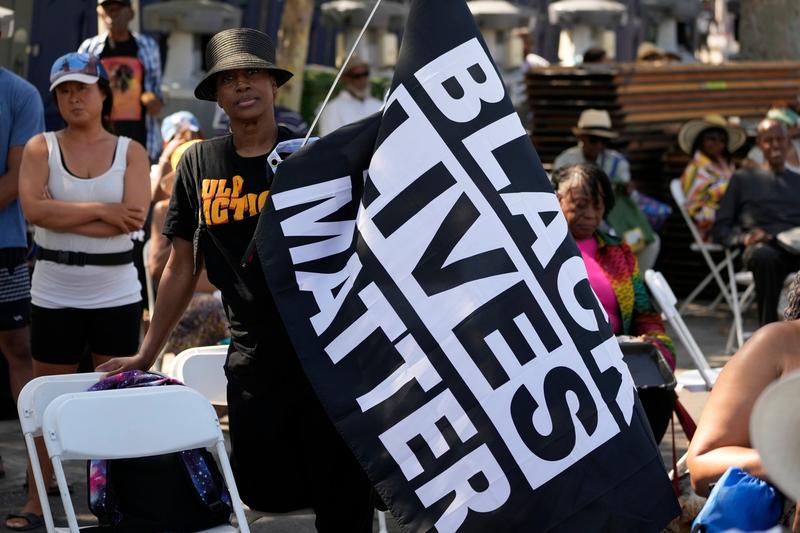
column 354, row 102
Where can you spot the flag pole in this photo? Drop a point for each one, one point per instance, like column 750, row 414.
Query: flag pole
column 341, row 70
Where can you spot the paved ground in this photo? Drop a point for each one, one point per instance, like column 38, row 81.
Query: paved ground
column 709, row 329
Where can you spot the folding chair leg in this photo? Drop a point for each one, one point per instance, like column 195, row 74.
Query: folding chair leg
column 66, row 500
column 679, row 464
column 715, row 302
column 36, row 469
column 382, row 522
column 729, row 343
column 697, row 290
column 222, row 456
column 748, row 296
column 736, row 309
column 713, row 275
column 745, row 302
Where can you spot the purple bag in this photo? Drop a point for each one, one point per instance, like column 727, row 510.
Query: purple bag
column 200, row 499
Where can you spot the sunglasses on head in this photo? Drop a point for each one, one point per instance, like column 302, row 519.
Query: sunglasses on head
column 359, row 74
column 594, row 139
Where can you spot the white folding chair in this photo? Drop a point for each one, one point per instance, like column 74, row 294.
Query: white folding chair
column 202, row 369
column 728, row 291
column 704, row 377
column 33, row 399
column 130, row 423
column 704, row 248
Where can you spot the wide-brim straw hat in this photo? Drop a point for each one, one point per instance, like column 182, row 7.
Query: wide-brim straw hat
column 689, row 132
column 595, row 122
column 238, row 48
column 775, row 432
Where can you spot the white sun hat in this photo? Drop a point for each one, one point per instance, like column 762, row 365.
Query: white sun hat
column 775, row 433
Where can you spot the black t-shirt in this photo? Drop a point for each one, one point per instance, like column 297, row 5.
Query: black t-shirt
column 126, row 73
column 215, row 204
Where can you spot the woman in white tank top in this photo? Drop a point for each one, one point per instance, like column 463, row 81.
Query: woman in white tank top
column 85, row 190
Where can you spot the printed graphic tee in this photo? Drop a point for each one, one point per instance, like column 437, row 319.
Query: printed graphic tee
column 215, row 204
column 126, row 74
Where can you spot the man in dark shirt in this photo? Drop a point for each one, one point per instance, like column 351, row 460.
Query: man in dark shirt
column 286, row 453
column 758, row 205
column 133, row 63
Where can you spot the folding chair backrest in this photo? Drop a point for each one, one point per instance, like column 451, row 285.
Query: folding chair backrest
column 37, row 394
column 129, row 423
column 33, row 399
column 676, row 188
column 666, row 301
column 202, row 369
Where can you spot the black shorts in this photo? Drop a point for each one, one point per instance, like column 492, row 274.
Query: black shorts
column 15, row 294
column 60, row 336
column 15, row 315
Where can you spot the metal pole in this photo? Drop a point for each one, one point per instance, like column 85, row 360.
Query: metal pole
column 341, row 70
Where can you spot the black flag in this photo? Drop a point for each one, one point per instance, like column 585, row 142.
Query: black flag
column 443, row 314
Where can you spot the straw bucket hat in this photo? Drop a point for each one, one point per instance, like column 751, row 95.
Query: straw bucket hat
column 234, row 49
column 775, row 433
column 356, row 61
column 648, row 51
column 595, row 122
column 689, row 132
column 785, row 115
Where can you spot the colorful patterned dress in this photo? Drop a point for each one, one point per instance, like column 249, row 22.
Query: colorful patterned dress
column 704, row 183
column 639, row 317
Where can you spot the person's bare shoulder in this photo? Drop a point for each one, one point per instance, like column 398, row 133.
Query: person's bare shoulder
column 136, row 151
column 773, row 349
column 37, row 145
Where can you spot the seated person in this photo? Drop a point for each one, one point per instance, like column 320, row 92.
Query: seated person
column 758, row 205
column 710, row 141
column 722, row 438
column 203, row 323
column 179, row 131
column 584, row 192
column 787, row 115
column 594, row 132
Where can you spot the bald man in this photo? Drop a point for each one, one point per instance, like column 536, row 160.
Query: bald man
column 761, row 203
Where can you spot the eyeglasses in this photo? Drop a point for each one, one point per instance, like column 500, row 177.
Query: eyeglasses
column 594, row 139
column 358, row 75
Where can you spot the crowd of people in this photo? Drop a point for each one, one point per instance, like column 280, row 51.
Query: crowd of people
column 94, row 200
column 751, row 205
column 89, row 191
